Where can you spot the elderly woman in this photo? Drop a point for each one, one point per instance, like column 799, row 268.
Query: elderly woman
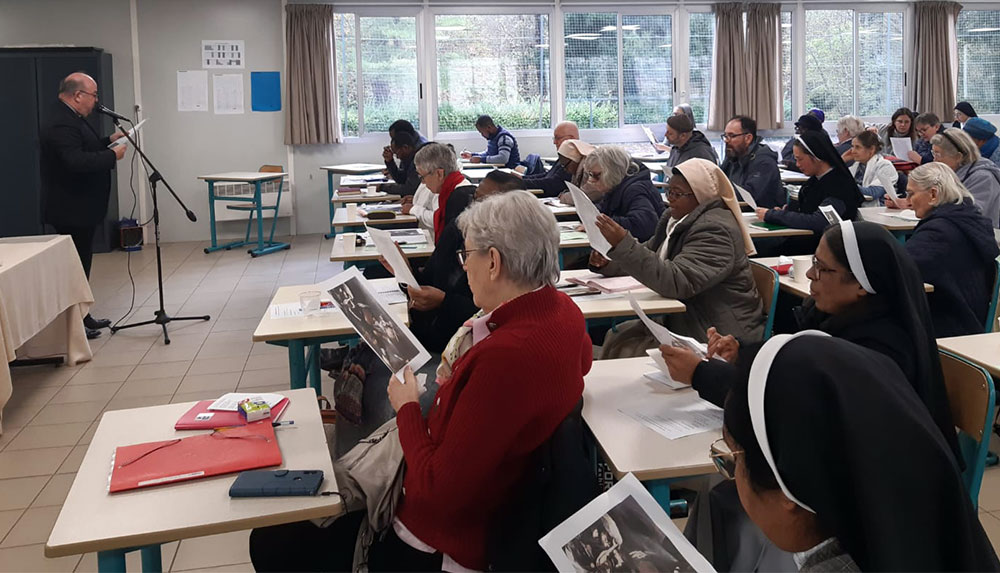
column 623, row 190
column 571, row 152
column 874, row 174
column 954, row 247
column 984, row 134
column 437, row 167
column 698, row 254
column 963, row 113
column 848, row 127
column 901, row 125
column 507, row 379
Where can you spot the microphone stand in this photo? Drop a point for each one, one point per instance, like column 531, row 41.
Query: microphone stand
column 161, row 316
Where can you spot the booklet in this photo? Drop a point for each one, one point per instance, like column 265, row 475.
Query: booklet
column 606, row 284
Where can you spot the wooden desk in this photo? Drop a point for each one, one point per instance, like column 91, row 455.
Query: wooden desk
column 792, row 176
column 898, row 226
column 761, row 233
column 627, row 445
column 93, row 520
column 801, row 288
column 338, row 171
column 364, row 198
column 618, row 306
column 982, row 349
column 303, row 335
column 263, row 247
column 369, row 253
column 342, row 221
column 468, row 163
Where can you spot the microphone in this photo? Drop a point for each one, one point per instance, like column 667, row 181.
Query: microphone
column 191, row 217
column 112, row 113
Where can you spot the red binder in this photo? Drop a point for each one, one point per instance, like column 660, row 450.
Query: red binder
column 219, row 419
column 223, row 451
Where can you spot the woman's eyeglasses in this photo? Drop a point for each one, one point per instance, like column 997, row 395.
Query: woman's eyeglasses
column 463, row 255
column 671, row 194
column 821, row 268
column 723, row 458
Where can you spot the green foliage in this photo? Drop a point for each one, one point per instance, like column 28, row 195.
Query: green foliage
column 530, row 114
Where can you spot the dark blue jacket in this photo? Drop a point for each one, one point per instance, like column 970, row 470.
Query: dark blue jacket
column 757, row 172
column 923, row 148
column 634, row 204
column 955, row 250
column 552, row 182
column 500, row 147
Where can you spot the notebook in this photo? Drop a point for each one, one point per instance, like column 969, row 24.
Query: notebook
column 199, row 417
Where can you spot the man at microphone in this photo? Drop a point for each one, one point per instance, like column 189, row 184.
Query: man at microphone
column 76, row 169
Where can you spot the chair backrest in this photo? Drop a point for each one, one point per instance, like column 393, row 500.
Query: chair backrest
column 991, row 312
column 766, row 279
column 971, row 397
column 270, row 169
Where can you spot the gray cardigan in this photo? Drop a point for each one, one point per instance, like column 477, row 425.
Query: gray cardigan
column 706, row 268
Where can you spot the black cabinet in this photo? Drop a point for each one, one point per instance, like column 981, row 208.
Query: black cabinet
column 32, row 83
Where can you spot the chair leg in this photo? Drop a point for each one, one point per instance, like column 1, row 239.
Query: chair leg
column 249, row 224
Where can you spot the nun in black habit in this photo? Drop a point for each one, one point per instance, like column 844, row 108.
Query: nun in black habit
column 837, row 461
column 830, row 183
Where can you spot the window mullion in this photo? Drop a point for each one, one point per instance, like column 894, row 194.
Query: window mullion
column 857, row 67
column 621, row 72
column 360, row 80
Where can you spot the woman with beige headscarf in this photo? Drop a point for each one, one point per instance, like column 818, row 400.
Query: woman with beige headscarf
column 698, row 254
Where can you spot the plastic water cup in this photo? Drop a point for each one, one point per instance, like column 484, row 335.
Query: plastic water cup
column 310, row 301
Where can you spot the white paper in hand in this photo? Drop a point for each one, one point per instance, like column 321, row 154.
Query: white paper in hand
column 746, row 197
column 831, row 214
column 387, row 248
column 901, row 147
column 890, row 189
column 663, row 335
column 588, row 213
column 123, row 140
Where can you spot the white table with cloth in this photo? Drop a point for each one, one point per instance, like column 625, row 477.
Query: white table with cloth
column 44, row 295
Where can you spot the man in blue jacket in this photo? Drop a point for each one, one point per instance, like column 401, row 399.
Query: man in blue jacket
column 751, row 164
column 501, row 147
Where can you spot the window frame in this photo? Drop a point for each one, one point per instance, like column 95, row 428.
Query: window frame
column 971, row 6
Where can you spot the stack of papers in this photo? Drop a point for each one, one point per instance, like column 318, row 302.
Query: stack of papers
column 683, row 415
column 230, row 402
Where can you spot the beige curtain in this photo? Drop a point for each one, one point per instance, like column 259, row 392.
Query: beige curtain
column 763, row 62
column 311, row 115
column 729, row 74
column 933, row 86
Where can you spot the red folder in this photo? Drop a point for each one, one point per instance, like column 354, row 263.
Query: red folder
column 223, row 451
column 219, row 419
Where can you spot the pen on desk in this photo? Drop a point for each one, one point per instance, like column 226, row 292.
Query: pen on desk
column 288, row 423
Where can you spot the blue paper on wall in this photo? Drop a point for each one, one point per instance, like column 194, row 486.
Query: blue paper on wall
column 265, row 91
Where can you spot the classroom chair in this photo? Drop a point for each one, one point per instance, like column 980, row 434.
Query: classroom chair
column 991, row 312
column 971, row 397
column 766, row 279
column 251, row 207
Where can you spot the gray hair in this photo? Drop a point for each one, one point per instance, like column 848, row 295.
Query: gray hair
column 522, row 229
column 615, row 164
column 851, row 124
column 437, row 156
column 941, row 177
column 955, row 142
column 686, row 110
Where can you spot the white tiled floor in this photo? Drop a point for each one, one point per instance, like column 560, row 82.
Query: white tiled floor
column 52, row 414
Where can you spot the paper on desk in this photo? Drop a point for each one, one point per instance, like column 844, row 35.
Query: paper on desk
column 664, row 336
column 905, row 214
column 663, row 372
column 588, row 212
column 230, row 402
column 684, row 415
column 131, row 133
column 746, row 196
column 901, row 147
column 387, row 248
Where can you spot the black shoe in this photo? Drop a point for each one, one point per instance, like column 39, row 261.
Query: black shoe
column 96, row 323
column 332, row 358
column 93, row 333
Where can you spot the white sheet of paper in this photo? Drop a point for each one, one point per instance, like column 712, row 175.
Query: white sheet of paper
column 228, row 92
column 663, row 372
column 230, row 402
column 588, row 213
column 392, row 295
column 192, row 90
column 905, row 214
column 901, row 147
column 387, row 248
column 663, row 335
column 285, row 310
column 831, row 214
column 131, row 133
column 746, row 196
column 626, row 512
column 649, row 135
column 890, row 189
column 684, row 416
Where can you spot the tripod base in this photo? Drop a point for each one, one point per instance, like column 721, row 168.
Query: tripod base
column 163, row 319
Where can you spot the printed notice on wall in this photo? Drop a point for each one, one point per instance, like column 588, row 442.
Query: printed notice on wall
column 192, row 90
column 228, row 91
column 222, row 54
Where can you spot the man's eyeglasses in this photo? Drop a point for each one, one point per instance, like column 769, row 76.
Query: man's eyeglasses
column 724, row 460
column 93, row 95
column 463, row 255
column 730, row 136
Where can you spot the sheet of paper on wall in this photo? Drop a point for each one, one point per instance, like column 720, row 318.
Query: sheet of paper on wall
column 223, row 54
column 192, row 90
column 663, row 335
column 901, row 147
column 746, row 197
column 387, row 248
column 684, row 415
column 588, row 213
column 131, row 133
column 228, row 92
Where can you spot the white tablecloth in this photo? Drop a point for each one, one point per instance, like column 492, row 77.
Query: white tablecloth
column 44, row 296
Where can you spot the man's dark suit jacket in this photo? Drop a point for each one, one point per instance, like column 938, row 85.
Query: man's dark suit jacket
column 76, row 169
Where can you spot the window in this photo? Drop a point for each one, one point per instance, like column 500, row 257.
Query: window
column 979, row 59
column 496, row 65
column 702, row 51
column 388, row 59
column 872, row 88
column 786, row 63
column 599, row 93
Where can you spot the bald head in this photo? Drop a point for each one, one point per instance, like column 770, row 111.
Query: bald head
column 79, row 91
column 563, row 132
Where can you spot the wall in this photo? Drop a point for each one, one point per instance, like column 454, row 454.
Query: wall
column 97, row 23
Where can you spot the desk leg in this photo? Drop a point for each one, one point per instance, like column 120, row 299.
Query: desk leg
column 111, row 561
column 661, row 493
column 312, row 363
column 211, row 215
column 330, row 189
column 151, row 559
column 297, row 364
column 260, row 217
